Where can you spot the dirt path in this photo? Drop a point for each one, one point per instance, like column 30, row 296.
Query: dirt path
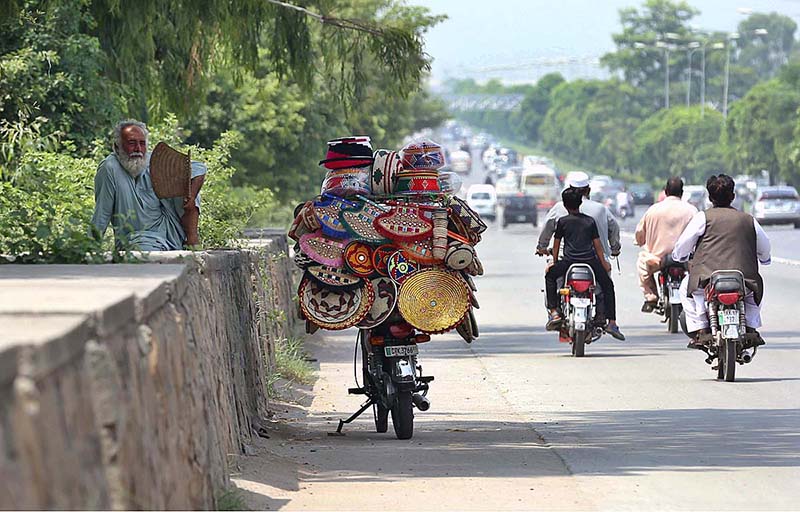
column 469, row 451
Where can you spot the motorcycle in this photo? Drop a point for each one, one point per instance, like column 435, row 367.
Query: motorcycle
column 578, row 306
column 392, row 377
column 669, row 298
column 729, row 342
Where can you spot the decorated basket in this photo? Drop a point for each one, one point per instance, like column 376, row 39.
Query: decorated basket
column 433, row 300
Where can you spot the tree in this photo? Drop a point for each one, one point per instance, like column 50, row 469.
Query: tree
column 766, row 53
column 643, row 67
column 761, row 127
column 51, row 84
column 563, row 130
column 679, row 142
column 534, row 107
column 165, row 52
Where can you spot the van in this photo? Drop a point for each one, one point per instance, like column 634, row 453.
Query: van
column 541, row 182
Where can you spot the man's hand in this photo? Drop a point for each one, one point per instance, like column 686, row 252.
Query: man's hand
column 543, row 252
column 606, row 265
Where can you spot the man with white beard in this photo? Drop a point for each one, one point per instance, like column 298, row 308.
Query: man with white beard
column 124, row 196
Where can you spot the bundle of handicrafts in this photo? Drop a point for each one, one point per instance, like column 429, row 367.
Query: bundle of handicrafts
column 387, row 235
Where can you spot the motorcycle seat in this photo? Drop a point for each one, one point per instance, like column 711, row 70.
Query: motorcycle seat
column 727, row 281
column 668, row 262
column 580, row 272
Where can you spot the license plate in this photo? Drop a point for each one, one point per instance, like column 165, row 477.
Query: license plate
column 729, row 317
column 401, row 351
column 580, row 302
column 580, row 315
column 521, row 218
column 674, row 296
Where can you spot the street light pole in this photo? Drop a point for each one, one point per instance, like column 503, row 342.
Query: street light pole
column 693, row 46
column 731, row 38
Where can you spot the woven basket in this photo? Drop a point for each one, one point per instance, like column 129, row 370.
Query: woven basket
column 170, row 171
column 433, row 300
column 334, row 308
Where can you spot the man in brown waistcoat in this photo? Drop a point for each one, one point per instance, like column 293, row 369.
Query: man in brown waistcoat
column 721, row 238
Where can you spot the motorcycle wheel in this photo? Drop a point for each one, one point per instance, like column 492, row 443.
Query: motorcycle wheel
column 381, row 414
column 730, row 361
column 674, row 317
column 403, row 415
column 579, row 343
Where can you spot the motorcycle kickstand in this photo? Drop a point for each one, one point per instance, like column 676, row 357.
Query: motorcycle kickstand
column 351, row 418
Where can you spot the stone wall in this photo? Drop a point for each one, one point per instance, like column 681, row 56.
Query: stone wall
column 128, row 386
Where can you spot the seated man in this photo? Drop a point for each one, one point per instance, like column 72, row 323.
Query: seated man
column 657, row 233
column 721, row 238
column 581, row 245
column 124, row 196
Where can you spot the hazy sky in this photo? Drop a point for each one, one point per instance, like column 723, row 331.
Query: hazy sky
column 520, row 40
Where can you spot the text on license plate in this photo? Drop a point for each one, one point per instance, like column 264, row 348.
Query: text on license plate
column 401, row 351
column 729, row 317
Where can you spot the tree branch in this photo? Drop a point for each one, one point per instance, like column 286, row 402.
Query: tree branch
column 344, row 23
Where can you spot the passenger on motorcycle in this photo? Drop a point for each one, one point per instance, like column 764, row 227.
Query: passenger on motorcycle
column 721, row 238
column 657, row 233
column 607, row 225
column 581, row 245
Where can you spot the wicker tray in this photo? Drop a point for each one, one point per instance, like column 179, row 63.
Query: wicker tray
column 433, row 300
column 170, row 171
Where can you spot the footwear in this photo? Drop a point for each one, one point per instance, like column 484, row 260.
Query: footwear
column 614, row 331
column 648, row 307
column 697, row 345
column 754, row 337
column 554, row 323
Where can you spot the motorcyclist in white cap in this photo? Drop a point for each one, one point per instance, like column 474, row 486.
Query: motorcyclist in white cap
column 607, row 224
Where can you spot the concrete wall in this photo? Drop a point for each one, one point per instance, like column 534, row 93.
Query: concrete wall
column 127, row 386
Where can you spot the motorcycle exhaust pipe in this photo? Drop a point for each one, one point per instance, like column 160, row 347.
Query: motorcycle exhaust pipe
column 747, row 357
column 420, row 402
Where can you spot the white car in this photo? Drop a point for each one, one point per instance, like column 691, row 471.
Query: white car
column 460, row 162
column 697, row 196
column 483, row 199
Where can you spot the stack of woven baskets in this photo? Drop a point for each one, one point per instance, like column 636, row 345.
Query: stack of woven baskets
column 387, row 236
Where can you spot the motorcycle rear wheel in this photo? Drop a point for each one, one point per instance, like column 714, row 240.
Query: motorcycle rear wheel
column 730, row 361
column 674, row 317
column 579, row 343
column 403, row 415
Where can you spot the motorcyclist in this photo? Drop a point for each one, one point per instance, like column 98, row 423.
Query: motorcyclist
column 657, row 233
column 581, row 243
column 607, row 225
column 721, row 238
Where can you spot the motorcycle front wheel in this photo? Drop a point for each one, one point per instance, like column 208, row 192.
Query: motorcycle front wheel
column 403, row 415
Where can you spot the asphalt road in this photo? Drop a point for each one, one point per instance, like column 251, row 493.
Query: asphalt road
column 517, row 423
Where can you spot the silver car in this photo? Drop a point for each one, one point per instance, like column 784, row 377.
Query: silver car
column 777, row 205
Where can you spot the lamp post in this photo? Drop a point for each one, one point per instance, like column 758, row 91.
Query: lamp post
column 715, row 46
column 691, row 48
column 732, row 37
column 666, row 48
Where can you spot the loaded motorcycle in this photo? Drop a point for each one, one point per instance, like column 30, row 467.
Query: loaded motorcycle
column 729, row 342
column 669, row 279
column 392, row 376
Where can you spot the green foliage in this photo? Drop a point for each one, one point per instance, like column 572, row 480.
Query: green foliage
column 679, row 141
column 45, row 210
column 761, row 129
column 51, row 84
column 291, row 361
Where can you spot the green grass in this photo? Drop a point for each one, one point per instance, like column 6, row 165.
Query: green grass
column 290, row 361
column 231, row 499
